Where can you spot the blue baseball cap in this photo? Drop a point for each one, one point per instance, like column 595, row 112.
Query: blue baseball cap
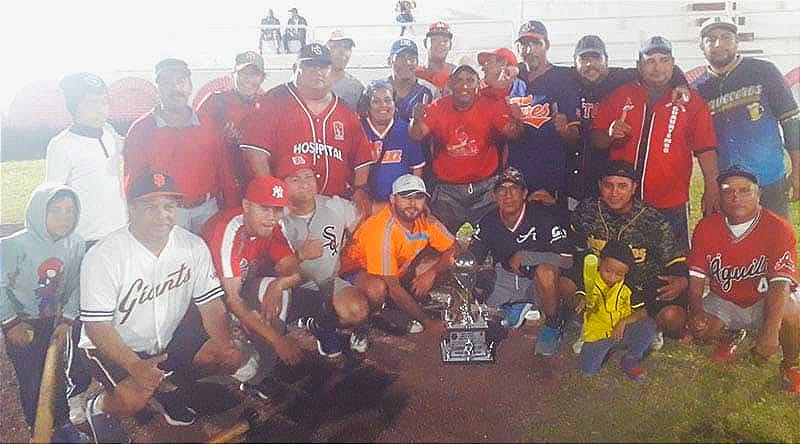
column 403, row 45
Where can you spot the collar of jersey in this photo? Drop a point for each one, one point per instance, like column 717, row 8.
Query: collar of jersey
column 161, row 123
column 736, row 65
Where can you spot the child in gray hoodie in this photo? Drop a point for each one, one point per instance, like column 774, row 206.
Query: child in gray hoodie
column 39, row 289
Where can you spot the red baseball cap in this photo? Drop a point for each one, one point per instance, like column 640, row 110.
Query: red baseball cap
column 290, row 165
column 268, row 191
column 439, row 28
column 503, row 53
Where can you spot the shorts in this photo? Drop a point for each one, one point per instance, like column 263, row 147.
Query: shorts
column 454, row 204
column 733, row 316
column 678, row 219
column 307, row 299
column 187, row 340
column 510, row 288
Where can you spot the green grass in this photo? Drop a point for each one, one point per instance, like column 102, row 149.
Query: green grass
column 19, row 178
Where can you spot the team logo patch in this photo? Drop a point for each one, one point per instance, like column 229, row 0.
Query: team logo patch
column 338, row 130
column 329, row 234
column 298, row 160
column 277, row 192
column 755, row 110
column 159, row 180
column 785, row 263
column 534, row 113
column 49, row 286
column 392, row 156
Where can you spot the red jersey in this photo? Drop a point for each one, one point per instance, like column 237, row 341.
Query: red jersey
column 282, row 125
column 661, row 142
column 234, row 253
column 228, row 109
column 740, row 268
column 194, row 156
column 439, row 78
column 464, row 142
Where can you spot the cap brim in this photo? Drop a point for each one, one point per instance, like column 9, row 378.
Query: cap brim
column 589, row 51
column 405, row 49
column 532, row 35
column 730, row 27
column 315, row 60
column 722, row 177
column 344, row 39
column 174, row 194
column 500, row 183
column 242, row 66
column 410, row 193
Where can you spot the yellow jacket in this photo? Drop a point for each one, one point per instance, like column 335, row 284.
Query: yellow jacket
column 605, row 306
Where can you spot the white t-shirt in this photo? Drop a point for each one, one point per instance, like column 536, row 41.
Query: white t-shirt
column 94, row 170
column 143, row 295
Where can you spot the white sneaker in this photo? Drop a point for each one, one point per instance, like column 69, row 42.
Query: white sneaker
column 658, row 341
column 533, row 315
column 359, row 342
column 578, row 346
column 414, row 326
column 77, row 409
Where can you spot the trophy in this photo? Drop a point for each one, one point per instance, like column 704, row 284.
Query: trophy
column 466, row 338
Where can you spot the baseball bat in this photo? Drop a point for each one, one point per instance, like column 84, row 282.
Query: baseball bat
column 43, row 427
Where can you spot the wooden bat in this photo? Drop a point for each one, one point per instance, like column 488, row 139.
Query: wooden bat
column 43, row 427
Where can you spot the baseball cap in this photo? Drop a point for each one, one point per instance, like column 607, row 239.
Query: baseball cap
column 463, row 67
column 502, row 53
column 439, row 28
column 316, row 53
column 615, row 249
column 737, row 171
column 152, row 183
column 532, row 29
column 249, row 58
column 510, row 175
column 590, row 44
column 620, row 168
column 268, row 191
column 293, row 10
column 718, row 22
column 409, row 184
column 656, row 44
column 171, row 64
column 403, row 45
column 289, row 165
column 77, row 86
column 341, row 36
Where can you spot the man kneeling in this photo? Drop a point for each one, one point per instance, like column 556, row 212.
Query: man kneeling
column 152, row 318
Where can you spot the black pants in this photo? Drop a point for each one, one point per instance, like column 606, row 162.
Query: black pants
column 76, row 365
column 29, row 364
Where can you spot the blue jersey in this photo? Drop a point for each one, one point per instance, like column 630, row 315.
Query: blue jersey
column 539, row 153
column 747, row 104
column 394, row 154
column 404, row 106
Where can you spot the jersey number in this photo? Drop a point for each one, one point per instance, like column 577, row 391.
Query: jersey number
column 763, row 285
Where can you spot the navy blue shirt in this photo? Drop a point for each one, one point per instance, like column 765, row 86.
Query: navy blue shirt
column 394, row 154
column 404, row 106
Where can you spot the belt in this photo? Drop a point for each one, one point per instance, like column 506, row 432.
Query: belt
column 196, row 202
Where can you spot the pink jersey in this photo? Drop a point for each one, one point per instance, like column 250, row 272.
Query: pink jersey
column 740, row 268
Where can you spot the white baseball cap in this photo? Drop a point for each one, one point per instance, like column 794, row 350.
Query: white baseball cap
column 340, row 36
column 718, row 21
column 409, row 184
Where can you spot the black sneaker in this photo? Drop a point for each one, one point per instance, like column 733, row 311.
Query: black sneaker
column 172, row 405
column 327, row 339
column 105, row 428
column 267, row 389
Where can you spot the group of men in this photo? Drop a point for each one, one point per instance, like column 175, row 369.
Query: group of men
column 295, row 31
column 313, row 191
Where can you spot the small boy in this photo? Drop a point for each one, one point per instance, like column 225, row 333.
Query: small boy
column 39, row 290
column 613, row 315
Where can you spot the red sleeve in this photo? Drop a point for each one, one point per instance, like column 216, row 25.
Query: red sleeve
column 134, row 153
column 361, row 153
column 696, row 260
column 258, row 131
column 226, row 173
column 212, row 233
column 499, row 113
column 433, row 117
column 783, row 254
column 278, row 247
column 607, row 112
column 702, row 136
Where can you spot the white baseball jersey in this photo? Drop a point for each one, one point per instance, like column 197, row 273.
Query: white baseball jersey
column 145, row 296
column 332, row 217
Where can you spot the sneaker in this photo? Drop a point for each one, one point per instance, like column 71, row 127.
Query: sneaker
column 577, row 346
column 172, row 405
column 658, row 341
column 549, row 338
column 632, row 368
column 359, row 341
column 724, row 351
column 105, row 428
column 265, row 390
column 69, row 434
column 77, row 408
column 533, row 315
column 327, row 340
column 414, row 327
column 515, row 314
column 791, row 376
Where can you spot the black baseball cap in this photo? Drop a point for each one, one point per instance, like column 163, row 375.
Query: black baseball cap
column 656, row 44
column 403, row 45
column 533, row 29
column 172, row 64
column 316, row 53
column 590, row 44
column 152, row 183
column 737, row 171
column 615, row 249
column 510, row 175
column 620, row 168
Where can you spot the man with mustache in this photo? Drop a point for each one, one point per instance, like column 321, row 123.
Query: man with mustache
column 174, row 140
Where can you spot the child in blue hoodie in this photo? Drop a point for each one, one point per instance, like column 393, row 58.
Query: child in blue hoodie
column 39, row 290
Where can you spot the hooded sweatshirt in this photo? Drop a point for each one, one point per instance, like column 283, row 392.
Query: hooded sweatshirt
column 40, row 275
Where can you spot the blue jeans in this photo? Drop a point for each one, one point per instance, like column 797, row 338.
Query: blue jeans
column 635, row 340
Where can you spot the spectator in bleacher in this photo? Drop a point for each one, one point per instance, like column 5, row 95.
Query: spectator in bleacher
column 404, row 8
column 393, row 152
column 270, row 31
column 550, row 114
column 409, row 91
column 640, row 124
column 345, row 85
column 229, row 109
column 595, row 81
column 751, row 104
column 296, row 32
column 465, row 127
column 438, row 41
column 172, row 139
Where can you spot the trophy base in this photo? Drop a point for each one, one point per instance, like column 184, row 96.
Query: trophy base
column 466, row 346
